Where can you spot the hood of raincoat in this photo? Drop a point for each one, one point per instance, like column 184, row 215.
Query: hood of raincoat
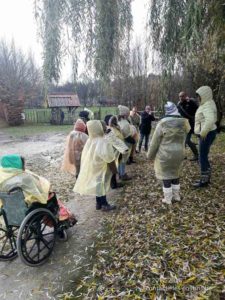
column 12, row 161
column 95, row 129
column 95, row 175
column 90, row 113
column 80, row 125
column 205, row 92
column 123, row 110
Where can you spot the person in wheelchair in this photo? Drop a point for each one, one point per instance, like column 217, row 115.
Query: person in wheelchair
column 36, row 189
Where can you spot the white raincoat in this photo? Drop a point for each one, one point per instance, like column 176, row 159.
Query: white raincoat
column 95, row 175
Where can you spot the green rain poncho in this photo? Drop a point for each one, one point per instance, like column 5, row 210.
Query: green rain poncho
column 95, row 175
column 168, row 145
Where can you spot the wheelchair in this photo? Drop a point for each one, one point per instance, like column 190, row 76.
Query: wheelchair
column 30, row 232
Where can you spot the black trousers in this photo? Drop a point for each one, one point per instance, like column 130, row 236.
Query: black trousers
column 101, row 200
column 168, row 182
column 142, row 138
column 190, row 144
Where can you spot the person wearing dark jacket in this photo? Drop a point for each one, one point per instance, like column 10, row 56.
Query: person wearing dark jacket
column 145, row 127
column 187, row 108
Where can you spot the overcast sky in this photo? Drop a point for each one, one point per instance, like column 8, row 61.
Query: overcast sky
column 17, row 22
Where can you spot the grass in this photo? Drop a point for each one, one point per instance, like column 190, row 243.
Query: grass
column 30, row 130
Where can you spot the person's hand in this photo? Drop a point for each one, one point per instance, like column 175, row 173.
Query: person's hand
column 203, row 135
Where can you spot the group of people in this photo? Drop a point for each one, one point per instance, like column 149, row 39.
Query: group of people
column 111, row 144
column 97, row 152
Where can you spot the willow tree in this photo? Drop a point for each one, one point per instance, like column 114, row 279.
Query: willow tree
column 96, row 29
column 191, row 34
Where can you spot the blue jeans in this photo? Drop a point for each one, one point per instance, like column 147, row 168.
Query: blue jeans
column 204, row 148
column 121, row 168
column 146, row 137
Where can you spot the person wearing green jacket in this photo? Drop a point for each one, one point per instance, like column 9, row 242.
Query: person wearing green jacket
column 167, row 149
column 205, row 128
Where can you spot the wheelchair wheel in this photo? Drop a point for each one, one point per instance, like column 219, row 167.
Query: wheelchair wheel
column 36, row 237
column 8, row 249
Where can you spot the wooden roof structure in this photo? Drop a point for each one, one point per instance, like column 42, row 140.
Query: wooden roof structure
column 63, row 100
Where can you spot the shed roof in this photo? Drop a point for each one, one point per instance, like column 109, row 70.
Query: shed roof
column 63, row 100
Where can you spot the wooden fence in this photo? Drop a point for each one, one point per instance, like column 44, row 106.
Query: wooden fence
column 43, row 115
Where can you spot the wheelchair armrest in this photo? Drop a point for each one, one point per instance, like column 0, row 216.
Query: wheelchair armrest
column 15, row 189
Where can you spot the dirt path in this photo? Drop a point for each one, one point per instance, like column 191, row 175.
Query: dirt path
column 17, row 281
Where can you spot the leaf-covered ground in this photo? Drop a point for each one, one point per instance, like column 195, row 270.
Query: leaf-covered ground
column 152, row 251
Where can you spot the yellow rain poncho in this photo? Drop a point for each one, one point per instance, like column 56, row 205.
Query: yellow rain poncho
column 167, row 146
column 95, row 175
column 34, row 187
column 126, row 132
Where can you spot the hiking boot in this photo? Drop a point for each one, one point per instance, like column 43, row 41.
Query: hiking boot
column 132, row 161
column 98, row 206
column 200, row 184
column 108, row 207
column 119, row 185
column 125, row 177
column 204, row 180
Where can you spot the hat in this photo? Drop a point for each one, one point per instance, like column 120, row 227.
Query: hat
column 11, row 161
column 80, row 126
column 123, row 110
column 171, row 109
column 107, row 117
column 84, row 114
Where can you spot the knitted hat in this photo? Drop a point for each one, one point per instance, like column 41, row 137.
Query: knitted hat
column 171, row 109
column 107, row 117
column 123, row 110
column 80, row 126
column 11, row 161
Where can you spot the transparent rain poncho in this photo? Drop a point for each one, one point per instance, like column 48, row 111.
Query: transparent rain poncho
column 72, row 156
column 95, row 175
column 34, row 187
column 167, row 146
